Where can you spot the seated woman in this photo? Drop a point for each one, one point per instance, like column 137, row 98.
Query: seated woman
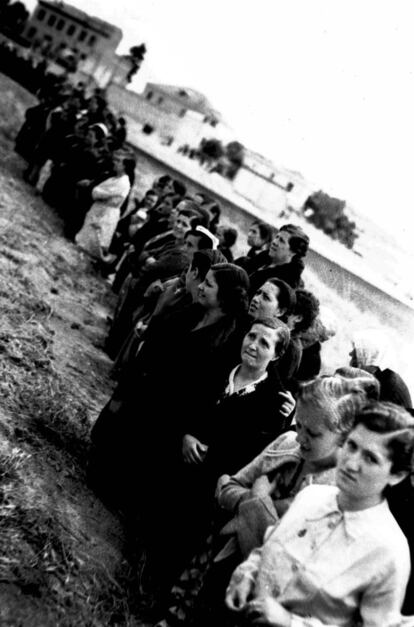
column 260, row 493
column 338, row 556
column 325, row 411
column 286, row 253
column 370, row 352
column 249, row 390
column 100, row 223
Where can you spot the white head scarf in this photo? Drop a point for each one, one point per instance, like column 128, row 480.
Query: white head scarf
column 372, row 348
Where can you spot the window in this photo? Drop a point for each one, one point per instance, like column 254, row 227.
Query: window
column 31, row 32
column 51, row 20
column 71, row 29
column 82, row 35
column 160, row 100
column 60, row 24
column 41, row 14
column 149, row 95
column 92, row 40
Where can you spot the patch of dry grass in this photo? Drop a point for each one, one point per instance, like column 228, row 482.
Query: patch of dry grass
column 42, row 557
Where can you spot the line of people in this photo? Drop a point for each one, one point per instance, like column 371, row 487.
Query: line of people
column 78, row 160
column 220, row 419
column 256, row 487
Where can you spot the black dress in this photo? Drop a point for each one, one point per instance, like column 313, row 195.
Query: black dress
column 289, row 272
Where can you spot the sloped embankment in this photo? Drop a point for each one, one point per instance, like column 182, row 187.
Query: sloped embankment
column 61, row 551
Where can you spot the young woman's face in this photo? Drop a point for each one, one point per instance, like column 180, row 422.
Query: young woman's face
column 259, row 347
column 207, row 291
column 364, row 466
column 280, row 248
column 265, row 303
column 316, row 441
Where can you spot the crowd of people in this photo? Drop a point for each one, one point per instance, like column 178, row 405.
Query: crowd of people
column 260, row 488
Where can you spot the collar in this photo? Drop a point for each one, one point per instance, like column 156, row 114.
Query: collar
column 356, row 524
column 247, row 389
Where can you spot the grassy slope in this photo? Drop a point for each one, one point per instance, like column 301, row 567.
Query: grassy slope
column 61, row 560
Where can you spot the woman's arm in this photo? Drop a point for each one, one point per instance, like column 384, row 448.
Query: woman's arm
column 236, row 489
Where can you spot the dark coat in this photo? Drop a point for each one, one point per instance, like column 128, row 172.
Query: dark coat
column 392, row 387
column 289, row 272
column 253, row 260
column 242, row 425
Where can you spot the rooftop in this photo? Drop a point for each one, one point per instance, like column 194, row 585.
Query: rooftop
column 190, row 97
column 83, row 18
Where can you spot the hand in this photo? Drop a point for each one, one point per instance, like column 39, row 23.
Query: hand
column 267, row 611
column 238, row 592
column 262, row 487
column 288, row 404
column 150, row 261
column 193, row 450
column 221, row 482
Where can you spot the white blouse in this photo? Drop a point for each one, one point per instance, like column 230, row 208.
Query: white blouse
column 332, row 568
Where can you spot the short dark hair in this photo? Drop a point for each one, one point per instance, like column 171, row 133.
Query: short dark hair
column 203, row 260
column 193, row 210
column 298, row 240
column 307, row 306
column 287, row 297
column 230, row 236
column 179, row 188
column 233, row 286
column 204, row 241
column 266, row 231
column 388, row 418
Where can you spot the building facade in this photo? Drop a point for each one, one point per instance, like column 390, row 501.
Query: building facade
column 174, row 115
column 58, row 30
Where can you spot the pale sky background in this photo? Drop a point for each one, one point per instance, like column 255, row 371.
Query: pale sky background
column 325, row 87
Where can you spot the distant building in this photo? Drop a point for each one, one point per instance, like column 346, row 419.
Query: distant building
column 268, row 186
column 176, row 115
column 58, row 31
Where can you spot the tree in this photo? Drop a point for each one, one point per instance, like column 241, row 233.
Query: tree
column 136, row 56
column 328, row 214
column 212, row 149
column 235, row 156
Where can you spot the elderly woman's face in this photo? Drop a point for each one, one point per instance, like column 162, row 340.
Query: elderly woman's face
column 259, row 347
column 364, row 466
column 316, row 441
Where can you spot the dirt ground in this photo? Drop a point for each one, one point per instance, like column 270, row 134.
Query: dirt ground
column 62, row 554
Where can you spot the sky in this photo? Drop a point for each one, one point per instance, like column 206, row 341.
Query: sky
column 325, row 87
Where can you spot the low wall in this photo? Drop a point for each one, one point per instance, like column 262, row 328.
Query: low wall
column 365, row 296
